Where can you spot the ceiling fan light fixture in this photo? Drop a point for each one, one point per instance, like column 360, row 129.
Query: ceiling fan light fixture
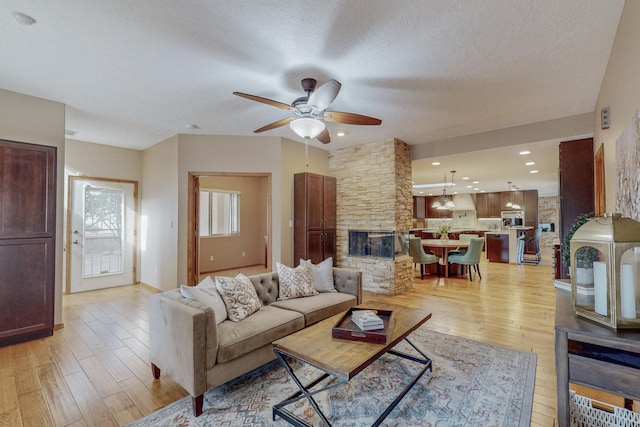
column 306, row 127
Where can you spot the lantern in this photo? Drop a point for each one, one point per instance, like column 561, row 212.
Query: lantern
column 608, row 292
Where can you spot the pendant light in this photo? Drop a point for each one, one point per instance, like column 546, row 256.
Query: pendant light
column 444, row 201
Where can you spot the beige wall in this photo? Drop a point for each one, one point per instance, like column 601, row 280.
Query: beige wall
column 101, row 161
column 159, row 216
column 247, row 247
column 620, row 91
column 25, row 118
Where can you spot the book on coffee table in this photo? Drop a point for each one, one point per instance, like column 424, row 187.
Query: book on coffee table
column 367, row 320
column 347, row 328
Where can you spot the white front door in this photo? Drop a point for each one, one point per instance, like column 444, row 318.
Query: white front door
column 102, row 234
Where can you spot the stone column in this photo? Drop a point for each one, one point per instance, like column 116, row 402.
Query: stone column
column 374, row 193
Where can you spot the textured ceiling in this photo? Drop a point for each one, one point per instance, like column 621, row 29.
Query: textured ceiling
column 133, row 73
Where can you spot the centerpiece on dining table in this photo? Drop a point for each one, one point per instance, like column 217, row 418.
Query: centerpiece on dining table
column 442, row 231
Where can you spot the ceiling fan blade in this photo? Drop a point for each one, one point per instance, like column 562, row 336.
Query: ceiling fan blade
column 322, row 97
column 324, row 136
column 350, row 118
column 274, row 125
column 267, row 101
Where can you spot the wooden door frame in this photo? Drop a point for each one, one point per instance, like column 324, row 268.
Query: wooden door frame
column 598, row 178
column 193, row 220
column 67, row 246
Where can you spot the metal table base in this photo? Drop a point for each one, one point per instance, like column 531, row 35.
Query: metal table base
column 306, row 392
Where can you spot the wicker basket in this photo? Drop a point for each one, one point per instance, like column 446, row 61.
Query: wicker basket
column 584, row 414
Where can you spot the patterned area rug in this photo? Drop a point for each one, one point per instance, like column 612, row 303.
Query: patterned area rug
column 472, row 384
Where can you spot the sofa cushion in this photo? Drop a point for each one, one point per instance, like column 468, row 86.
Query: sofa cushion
column 295, row 282
column 239, row 296
column 261, row 328
column 322, row 275
column 318, row 307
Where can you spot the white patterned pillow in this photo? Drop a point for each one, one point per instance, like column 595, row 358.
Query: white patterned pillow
column 239, row 296
column 295, row 282
column 322, row 275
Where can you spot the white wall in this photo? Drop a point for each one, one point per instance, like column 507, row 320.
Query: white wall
column 620, row 91
column 159, row 216
column 25, row 118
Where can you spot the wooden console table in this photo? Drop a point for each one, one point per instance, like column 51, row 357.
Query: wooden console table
column 594, row 356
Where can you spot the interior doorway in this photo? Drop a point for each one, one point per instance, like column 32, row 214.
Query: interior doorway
column 101, row 229
column 249, row 244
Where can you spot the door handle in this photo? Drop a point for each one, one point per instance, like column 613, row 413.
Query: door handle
column 75, row 242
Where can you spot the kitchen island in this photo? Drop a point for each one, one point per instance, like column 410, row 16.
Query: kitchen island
column 502, row 245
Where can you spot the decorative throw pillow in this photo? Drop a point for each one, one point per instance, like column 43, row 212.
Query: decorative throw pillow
column 215, row 302
column 239, row 296
column 322, row 275
column 209, row 288
column 295, row 282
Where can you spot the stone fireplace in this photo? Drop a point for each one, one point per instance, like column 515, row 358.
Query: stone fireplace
column 374, row 194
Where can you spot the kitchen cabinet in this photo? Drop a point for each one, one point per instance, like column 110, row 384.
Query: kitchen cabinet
column 514, row 197
column 27, row 241
column 497, row 247
column 433, row 213
column 314, row 211
column 488, row 205
column 575, row 184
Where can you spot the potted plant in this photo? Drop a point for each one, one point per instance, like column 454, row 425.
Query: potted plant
column 442, row 231
column 584, row 257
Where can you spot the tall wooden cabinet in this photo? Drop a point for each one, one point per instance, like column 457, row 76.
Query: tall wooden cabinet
column 27, row 241
column 575, row 185
column 314, row 211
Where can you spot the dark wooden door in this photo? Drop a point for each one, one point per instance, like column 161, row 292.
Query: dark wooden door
column 329, row 203
column 576, row 184
column 27, row 241
column 315, row 197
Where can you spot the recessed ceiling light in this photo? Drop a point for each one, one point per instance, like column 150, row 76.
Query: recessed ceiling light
column 469, row 186
column 465, row 178
column 23, row 18
column 533, row 171
column 482, row 191
column 530, row 163
column 455, row 192
column 476, row 189
column 430, row 194
column 522, row 153
column 476, row 182
column 421, row 192
column 435, row 163
column 340, row 134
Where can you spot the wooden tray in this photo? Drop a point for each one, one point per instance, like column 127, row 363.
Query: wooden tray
column 346, row 329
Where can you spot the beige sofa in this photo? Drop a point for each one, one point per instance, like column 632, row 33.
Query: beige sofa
column 187, row 345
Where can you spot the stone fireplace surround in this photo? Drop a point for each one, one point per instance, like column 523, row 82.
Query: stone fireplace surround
column 374, row 193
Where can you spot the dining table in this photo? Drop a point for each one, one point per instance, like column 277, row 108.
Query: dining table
column 445, row 245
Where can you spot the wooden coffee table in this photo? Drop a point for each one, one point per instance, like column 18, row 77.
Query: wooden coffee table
column 343, row 359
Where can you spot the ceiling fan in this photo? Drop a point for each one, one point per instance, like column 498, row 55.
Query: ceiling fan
column 310, row 111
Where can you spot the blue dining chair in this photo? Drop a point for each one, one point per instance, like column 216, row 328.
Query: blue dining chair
column 471, row 258
column 419, row 255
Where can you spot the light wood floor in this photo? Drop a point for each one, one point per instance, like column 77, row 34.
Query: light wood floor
column 95, row 370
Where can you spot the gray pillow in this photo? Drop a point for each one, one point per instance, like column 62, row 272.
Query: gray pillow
column 322, row 275
column 215, row 302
